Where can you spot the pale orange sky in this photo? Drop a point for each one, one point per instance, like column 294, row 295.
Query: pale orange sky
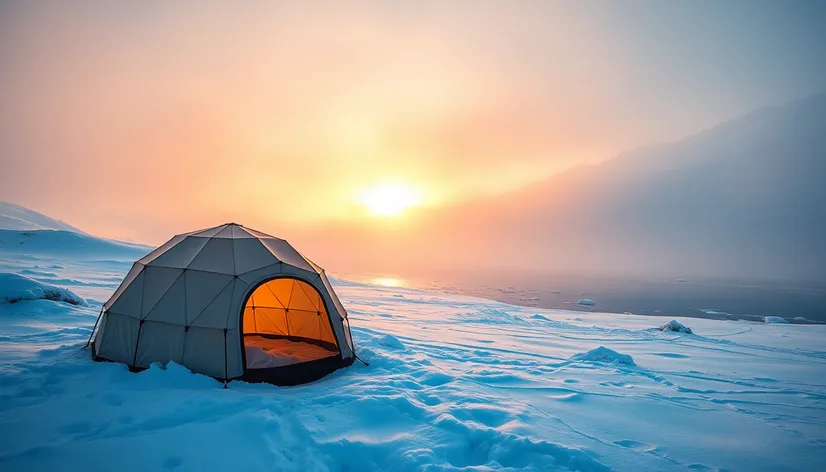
column 139, row 120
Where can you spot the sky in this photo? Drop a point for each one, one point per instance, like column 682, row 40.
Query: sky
column 139, row 120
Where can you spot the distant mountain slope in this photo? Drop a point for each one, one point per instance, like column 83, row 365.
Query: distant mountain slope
column 26, row 231
column 16, row 217
column 745, row 198
column 68, row 244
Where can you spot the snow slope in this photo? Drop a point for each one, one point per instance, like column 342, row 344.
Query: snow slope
column 16, row 217
column 454, row 383
column 68, row 245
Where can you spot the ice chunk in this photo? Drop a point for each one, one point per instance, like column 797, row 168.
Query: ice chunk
column 604, row 355
column 774, row 319
column 675, row 326
column 15, row 288
column 586, row 302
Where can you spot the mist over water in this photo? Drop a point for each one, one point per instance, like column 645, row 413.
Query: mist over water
column 727, row 299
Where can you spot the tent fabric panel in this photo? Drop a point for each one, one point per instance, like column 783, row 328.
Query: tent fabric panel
column 336, row 318
column 157, row 281
column 100, row 330
column 161, row 249
column 336, row 302
column 250, row 325
column 133, row 273
column 287, row 254
column 347, row 334
column 180, row 256
column 265, row 297
column 216, row 313
column 225, row 233
column 305, row 324
column 250, row 255
column 130, row 300
column 281, row 289
column 299, row 298
column 263, row 273
column 299, row 273
column 235, row 365
column 204, row 351
column 239, row 291
column 160, row 342
column 266, row 321
column 118, row 341
column 239, row 232
column 171, row 308
column 216, row 256
column 201, row 290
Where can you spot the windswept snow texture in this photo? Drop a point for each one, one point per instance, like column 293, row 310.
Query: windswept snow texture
column 676, row 327
column 16, row 288
column 453, row 384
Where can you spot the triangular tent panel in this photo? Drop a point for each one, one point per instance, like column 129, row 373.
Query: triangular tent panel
column 229, row 302
column 128, row 301
column 161, row 250
column 171, row 308
column 182, row 256
column 135, row 271
column 157, row 281
column 216, row 256
column 251, row 255
column 201, row 289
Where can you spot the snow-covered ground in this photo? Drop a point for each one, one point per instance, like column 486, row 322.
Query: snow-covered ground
column 454, row 383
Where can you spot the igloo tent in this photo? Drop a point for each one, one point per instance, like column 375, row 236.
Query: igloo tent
column 229, row 302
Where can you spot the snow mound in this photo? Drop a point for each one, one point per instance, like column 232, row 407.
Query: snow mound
column 676, row 327
column 605, row 356
column 391, row 341
column 774, row 319
column 15, row 288
column 586, row 302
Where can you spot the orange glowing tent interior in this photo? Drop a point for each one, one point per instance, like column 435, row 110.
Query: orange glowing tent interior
column 287, row 319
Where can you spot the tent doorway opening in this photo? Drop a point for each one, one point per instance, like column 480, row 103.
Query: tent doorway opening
column 285, row 322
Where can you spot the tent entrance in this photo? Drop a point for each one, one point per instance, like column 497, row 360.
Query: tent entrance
column 285, row 323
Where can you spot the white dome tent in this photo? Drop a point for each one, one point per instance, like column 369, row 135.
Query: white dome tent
column 229, row 302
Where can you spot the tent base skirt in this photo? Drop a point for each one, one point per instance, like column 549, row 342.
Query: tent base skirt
column 289, row 375
column 296, row 374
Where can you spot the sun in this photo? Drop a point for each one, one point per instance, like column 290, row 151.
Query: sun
column 388, row 199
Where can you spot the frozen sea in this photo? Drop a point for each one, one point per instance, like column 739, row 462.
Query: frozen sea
column 454, row 383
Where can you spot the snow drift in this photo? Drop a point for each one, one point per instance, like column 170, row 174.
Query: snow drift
column 15, row 288
column 604, row 355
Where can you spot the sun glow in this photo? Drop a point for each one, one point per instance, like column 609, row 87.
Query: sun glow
column 388, row 199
